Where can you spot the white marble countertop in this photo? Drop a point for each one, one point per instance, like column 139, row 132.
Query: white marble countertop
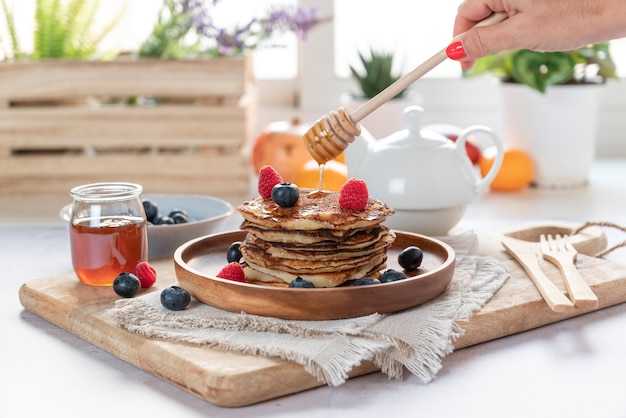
column 574, row 368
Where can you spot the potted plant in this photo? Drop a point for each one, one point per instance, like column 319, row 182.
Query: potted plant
column 376, row 74
column 62, row 30
column 550, row 107
column 539, row 70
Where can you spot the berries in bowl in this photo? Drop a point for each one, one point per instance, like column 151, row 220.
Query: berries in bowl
column 175, row 219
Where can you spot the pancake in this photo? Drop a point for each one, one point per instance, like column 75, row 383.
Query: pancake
column 310, row 264
column 328, row 252
column 262, row 274
column 314, row 210
column 316, row 239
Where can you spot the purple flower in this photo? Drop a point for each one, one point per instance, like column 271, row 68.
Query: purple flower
column 291, row 18
column 194, row 17
column 199, row 15
column 279, row 19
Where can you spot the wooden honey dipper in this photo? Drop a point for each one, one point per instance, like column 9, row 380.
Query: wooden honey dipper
column 332, row 134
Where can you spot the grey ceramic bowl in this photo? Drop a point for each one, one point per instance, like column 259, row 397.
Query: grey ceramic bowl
column 206, row 214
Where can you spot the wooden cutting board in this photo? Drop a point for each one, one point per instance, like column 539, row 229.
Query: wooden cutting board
column 233, row 379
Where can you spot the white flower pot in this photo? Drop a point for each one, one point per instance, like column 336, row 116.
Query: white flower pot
column 557, row 129
column 387, row 119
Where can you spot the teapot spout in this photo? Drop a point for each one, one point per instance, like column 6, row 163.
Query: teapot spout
column 357, row 151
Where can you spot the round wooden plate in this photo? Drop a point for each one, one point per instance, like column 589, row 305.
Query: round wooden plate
column 198, row 261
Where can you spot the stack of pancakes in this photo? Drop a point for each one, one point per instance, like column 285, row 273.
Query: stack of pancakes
column 316, row 239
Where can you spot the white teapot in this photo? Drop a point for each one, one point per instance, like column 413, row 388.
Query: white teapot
column 425, row 177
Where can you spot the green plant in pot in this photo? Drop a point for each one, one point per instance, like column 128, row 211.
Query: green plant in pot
column 63, row 29
column 375, row 73
column 551, row 106
column 591, row 64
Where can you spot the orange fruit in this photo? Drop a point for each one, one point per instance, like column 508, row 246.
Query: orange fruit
column 516, row 172
column 341, row 158
column 335, row 175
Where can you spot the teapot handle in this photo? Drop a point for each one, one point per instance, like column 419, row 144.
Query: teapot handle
column 483, row 183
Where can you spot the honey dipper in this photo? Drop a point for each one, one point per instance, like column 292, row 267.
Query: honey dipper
column 332, row 134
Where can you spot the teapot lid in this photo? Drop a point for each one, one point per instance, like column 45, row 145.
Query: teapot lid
column 414, row 135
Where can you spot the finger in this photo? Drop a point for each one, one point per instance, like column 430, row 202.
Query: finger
column 478, row 42
column 471, row 12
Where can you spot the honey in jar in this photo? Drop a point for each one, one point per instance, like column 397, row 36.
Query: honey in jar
column 108, row 232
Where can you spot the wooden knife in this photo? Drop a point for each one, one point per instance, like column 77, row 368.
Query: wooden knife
column 528, row 257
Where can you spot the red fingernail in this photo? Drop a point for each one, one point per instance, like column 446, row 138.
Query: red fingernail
column 455, row 51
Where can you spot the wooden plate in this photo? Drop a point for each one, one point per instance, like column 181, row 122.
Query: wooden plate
column 198, row 261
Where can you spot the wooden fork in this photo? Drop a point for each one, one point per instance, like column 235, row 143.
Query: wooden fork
column 560, row 252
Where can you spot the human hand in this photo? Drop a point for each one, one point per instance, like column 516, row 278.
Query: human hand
column 556, row 25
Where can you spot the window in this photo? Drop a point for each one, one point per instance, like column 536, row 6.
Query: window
column 413, row 30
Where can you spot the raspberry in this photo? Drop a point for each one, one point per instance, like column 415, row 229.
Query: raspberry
column 232, row 271
column 145, row 273
column 268, row 178
column 353, row 194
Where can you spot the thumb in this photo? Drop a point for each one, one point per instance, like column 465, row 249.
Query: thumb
column 481, row 40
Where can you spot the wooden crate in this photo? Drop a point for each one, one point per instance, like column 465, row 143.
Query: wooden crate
column 65, row 123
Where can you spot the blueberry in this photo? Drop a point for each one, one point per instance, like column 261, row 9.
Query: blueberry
column 179, row 218
column 175, row 298
column 126, row 285
column 392, row 275
column 179, row 210
column 411, row 258
column 366, row 281
column 233, row 253
column 300, row 283
column 163, row 220
column 151, row 208
column 285, row 194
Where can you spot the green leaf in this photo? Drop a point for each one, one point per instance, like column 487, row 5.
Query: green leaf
column 540, row 70
column 80, row 17
column 15, row 52
column 64, row 29
column 169, row 35
column 589, row 64
column 497, row 64
column 378, row 73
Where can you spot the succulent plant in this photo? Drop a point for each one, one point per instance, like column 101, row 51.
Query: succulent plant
column 378, row 73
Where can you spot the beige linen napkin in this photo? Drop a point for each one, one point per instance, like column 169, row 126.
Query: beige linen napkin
column 416, row 339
